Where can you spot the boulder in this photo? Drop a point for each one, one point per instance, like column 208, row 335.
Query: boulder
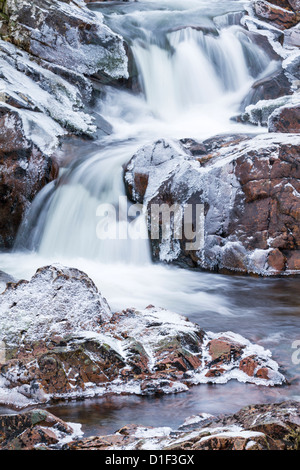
column 279, row 16
column 61, row 341
column 246, row 192
column 285, row 119
column 33, row 429
column 24, row 171
column 269, row 88
column 67, row 34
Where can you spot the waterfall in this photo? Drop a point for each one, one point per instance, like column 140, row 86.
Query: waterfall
column 196, row 69
column 191, row 82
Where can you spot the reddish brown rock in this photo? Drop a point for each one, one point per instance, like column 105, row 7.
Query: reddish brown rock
column 295, row 4
column 249, row 190
column 27, row 430
column 276, row 260
column 285, row 119
column 222, row 351
column 280, row 16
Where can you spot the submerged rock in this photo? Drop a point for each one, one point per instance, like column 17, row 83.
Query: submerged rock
column 245, row 189
column 255, row 427
column 62, row 342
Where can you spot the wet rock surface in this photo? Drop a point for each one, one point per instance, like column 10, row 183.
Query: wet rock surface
column 62, row 342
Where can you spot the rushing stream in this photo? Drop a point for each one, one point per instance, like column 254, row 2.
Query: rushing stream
column 194, row 65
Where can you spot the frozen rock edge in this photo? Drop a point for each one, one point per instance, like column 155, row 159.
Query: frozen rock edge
column 59, row 341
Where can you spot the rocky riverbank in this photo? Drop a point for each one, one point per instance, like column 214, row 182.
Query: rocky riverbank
column 256, row 427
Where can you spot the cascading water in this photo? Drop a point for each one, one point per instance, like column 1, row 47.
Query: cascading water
column 195, row 65
column 189, row 80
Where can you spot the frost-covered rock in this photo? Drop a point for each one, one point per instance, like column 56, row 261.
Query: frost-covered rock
column 285, row 119
column 60, row 341
column 259, row 113
column 28, row 86
column 248, row 189
column 277, row 12
column 35, row 429
column 56, row 301
column 65, row 33
column 255, row 427
column 24, row 168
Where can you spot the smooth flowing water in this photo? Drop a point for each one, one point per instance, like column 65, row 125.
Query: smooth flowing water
column 194, row 66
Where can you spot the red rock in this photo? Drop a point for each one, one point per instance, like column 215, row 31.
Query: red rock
column 281, row 17
column 263, row 373
column 285, row 119
column 223, row 350
column 277, row 260
column 248, row 365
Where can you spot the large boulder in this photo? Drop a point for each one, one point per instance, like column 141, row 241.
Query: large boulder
column 246, row 191
column 61, row 341
column 24, row 171
column 67, row 34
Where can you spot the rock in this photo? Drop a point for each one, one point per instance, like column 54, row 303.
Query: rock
column 68, row 297
column 240, row 188
column 285, row 119
column 268, row 88
column 67, row 34
column 62, row 342
column 24, row 171
column 281, row 17
column 27, row 85
column 31, row 430
column 256, row 427
column 292, row 37
column 292, row 66
column 259, row 113
column 295, row 4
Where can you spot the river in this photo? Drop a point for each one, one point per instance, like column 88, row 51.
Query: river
column 194, row 66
